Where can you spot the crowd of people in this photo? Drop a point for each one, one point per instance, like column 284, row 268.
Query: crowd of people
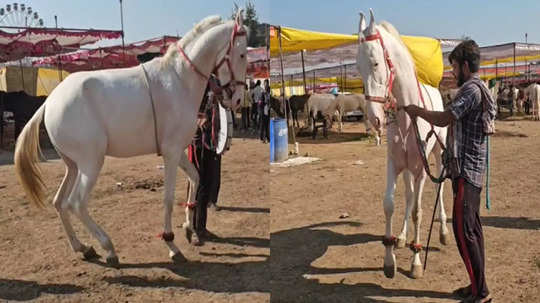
column 255, row 110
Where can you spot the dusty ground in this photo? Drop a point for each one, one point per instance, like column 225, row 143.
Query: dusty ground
column 280, row 236
column 36, row 261
column 317, row 257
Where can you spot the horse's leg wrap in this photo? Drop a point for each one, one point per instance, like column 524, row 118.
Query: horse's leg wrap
column 167, row 237
column 415, row 247
column 391, row 241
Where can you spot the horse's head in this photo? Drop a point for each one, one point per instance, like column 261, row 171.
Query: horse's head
column 232, row 65
column 376, row 70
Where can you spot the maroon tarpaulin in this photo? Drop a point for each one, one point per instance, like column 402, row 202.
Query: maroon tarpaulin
column 37, row 42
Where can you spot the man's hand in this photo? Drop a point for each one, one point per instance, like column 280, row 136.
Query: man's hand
column 201, row 122
column 412, row 110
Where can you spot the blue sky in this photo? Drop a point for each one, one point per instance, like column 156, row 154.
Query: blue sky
column 488, row 22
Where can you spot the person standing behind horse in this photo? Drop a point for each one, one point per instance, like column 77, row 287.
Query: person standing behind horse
column 202, row 152
column 257, row 95
column 264, row 133
column 246, row 104
column 470, row 116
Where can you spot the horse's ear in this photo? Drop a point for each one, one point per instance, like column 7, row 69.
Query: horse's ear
column 371, row 26
column 361, row 26
column 239, row 20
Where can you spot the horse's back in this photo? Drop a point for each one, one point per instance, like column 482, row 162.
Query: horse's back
column 100, row 108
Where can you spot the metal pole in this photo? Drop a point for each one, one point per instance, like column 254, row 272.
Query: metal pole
column 286, row 102
column 122, row 25
column 526, row 61
column 496, row 70
column 345, row 85
column 59, row 63
column 514, row 64
column 303, row 71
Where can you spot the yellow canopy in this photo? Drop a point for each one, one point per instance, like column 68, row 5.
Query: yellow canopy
column 426, row 52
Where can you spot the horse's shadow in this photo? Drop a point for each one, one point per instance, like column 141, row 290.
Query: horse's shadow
column 20, row 290
column 293, row 252
column 233, row 277
column 335, row 137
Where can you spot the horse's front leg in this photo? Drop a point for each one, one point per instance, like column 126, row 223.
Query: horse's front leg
column 171, row 161
column 416, row 246
column 389, row 240
column 193, row 175
column 409, row 195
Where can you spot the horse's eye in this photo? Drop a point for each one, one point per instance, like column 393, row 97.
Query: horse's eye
column 376, row 64
column 242, row 56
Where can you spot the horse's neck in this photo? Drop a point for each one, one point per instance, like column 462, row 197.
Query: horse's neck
column 204, row 51
column 405, row 88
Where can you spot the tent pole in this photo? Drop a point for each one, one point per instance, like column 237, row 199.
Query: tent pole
column 122, row 25
column 303, row 71
column 514, row 63
column 285, row 101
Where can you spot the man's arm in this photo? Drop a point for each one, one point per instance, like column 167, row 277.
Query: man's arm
column 436, row 118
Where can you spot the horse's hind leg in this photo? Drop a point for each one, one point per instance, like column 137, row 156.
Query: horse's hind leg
column 78, row 200
column 409, row 194
column 60, row 203
column 416, row 266
column 443, row 231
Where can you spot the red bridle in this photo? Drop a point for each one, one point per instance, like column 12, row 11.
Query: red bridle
column 233, row 82
column 388, row 100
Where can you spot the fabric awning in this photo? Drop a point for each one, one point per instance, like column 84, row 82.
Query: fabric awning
column 37, row 42
column 426, row 52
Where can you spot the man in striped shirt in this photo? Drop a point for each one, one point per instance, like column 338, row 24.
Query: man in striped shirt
column 468, row 146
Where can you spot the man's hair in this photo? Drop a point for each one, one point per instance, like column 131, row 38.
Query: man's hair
column 466, row 51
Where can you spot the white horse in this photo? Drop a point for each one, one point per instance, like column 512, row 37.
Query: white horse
column 344, row 103
column 129, row 112
column 533, row 93
column 379, row 48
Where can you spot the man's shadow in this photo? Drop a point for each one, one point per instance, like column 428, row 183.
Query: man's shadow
column 293, row 251
column 20, row 290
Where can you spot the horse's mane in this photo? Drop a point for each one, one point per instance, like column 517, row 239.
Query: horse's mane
column 191, row 36
column 394, row 33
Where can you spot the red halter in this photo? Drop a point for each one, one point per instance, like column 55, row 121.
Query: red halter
column 388, row 101
column 218, row 89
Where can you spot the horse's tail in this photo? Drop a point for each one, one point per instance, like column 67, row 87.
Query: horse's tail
column 27, row 153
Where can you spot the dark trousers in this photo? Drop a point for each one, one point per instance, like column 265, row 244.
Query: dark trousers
column 245, row 117
column 209, row 179
column 468, row 232
column 265, row 126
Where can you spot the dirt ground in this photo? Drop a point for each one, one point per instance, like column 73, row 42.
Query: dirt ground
column 318, row 257
column 37, row 263
column 280, row 235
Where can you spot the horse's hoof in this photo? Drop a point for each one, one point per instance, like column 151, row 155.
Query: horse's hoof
column 400, row 243
column 443, row 238
column 417, row 271
column 90, row 254
column 390, row 270
column 187, row 232
column 178, row 258
column 113, row 261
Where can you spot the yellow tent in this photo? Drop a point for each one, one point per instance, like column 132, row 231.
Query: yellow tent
column 37, row 81
column 426, row 52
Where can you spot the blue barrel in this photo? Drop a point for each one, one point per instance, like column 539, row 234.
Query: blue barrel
column 279, row 143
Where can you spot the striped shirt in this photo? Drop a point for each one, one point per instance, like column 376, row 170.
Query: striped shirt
column 468, row 140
